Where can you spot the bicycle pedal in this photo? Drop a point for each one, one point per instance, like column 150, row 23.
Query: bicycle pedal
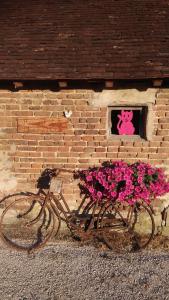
column 77, row 238
column 78, row 222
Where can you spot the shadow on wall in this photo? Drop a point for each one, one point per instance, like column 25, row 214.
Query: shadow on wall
column 8, row 181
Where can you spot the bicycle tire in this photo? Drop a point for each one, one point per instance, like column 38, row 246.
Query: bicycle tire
column 25, row 224
column 11, row 197
column 123, row 230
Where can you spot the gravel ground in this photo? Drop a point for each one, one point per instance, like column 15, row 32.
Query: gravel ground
column 67, row 271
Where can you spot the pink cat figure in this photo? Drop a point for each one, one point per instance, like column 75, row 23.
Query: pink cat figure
column 124, row 125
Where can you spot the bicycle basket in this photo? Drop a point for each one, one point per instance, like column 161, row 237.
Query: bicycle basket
column 55, row 185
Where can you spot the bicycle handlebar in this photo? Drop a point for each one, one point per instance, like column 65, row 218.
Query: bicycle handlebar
column 54, row 172
column 64, row 170
column 43, row 181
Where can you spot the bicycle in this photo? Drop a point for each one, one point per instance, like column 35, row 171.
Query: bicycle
column 30, row 220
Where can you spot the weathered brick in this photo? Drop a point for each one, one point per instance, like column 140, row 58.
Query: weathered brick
column 158, row 156
column 163, row 132
column 93, row 144
column 163, row 150
column 89, row 149
column 164, row 144
column 87, row 138
column 91, row 126
column 142, row 155
column 12, row 107
column 149, row 150
column 112, row 155
column 100, row 149
column 163, row 100
column 77, row 149
column 154, row 144
column 164, row 120
column 125, row 155
column 91, row 132
column 63, row 154
column 84, row 160
column 48, row 154
column 165, row 126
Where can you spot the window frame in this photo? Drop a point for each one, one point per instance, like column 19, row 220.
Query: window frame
column 142, row 135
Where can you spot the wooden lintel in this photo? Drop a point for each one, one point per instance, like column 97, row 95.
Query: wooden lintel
column 42, row 125
column 17, row 84
column 62, row 84
column 109, row 84
column 157, row 82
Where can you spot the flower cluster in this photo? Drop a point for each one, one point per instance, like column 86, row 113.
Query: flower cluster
column 123, row 182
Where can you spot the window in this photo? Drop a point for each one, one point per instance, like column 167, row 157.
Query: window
column 128, row 121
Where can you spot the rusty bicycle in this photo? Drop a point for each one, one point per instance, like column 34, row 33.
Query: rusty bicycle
column 29, row 219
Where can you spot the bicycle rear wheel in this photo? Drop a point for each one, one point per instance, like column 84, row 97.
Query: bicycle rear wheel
column 27, row 223
column 116, row 226
column 143, row 227
column 128, row 229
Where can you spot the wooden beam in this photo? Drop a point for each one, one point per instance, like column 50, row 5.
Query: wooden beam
column 62, row 84
column 109, row 84
column 17, row 84
column 42, row 125
column 157, row 82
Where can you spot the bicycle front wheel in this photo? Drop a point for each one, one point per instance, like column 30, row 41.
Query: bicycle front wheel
column 27, row 223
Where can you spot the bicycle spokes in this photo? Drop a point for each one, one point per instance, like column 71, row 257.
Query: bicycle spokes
column 31, row 229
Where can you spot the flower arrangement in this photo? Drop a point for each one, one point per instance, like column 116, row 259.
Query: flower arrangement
column 124, row 182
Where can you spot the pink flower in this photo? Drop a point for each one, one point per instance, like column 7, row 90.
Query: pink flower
column 113, row 194
column 138, row 189
column 99, row 195
column 89, row 178
column 91, row 190
column 113, row 185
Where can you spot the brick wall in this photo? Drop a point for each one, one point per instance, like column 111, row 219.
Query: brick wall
column 85, row 142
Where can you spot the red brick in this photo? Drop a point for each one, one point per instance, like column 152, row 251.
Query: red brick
column 163, row 150
column 142, row 155
column 77, row 149
column 89, row 149
column 99, row 154
column 126, row 155
column 154, row 144
column 93, row 144
column 163, row 132
column 165, row 126
column 111, row 155
column 63, row 154
column 158, row 156
column 100, row 149
column 83, row 160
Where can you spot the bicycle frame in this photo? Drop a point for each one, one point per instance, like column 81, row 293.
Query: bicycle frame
column 64, row 209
